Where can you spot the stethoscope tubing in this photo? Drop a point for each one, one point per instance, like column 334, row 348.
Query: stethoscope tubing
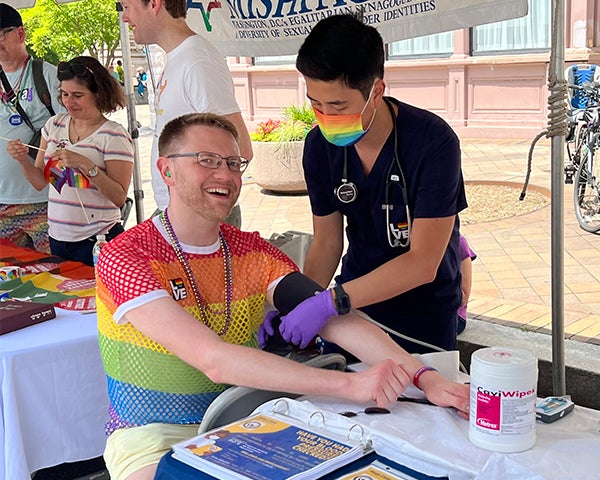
column 347, row 191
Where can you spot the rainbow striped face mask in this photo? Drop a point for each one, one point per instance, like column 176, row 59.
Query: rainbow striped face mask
column 344, row 130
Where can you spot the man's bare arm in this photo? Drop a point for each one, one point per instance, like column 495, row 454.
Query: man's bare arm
column 168, row 324
column 326, row 248
column 418, row 266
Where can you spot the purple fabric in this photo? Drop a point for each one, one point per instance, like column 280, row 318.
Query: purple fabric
column 465, row 252
column 465, row 249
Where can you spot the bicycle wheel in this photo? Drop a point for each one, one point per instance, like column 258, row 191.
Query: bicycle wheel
column 576, row 139
column 586, row 194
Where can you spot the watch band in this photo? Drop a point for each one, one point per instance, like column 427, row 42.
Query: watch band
column 341, row 300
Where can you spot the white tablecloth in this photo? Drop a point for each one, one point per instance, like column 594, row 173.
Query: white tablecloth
column 54, row 402
column 435, row 441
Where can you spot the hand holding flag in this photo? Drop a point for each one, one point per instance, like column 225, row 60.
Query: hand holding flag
column 58, row 175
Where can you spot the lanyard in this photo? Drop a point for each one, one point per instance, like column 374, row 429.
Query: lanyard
column 10, row 97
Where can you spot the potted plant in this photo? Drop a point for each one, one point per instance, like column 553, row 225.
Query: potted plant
column 278, row 146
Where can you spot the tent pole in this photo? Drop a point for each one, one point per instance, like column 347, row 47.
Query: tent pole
column 132, row 122
column 557, row 214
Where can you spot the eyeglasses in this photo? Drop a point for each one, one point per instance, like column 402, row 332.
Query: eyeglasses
column 5, row 32
column 213, row 161
column 69, row 70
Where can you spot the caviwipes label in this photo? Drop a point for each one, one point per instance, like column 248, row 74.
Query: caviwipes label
column 499, row 411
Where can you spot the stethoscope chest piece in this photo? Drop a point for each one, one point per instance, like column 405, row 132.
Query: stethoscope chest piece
column 398, row 235
column 346, row 192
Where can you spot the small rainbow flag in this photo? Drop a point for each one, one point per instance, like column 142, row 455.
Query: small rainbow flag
column 58, row 176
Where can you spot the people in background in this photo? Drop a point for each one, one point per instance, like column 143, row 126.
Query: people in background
column 195, row 77
column 392, row 173
column 120, row 72
column 111, row 70
column 467, row 255
column 23, row 209
column 180, row 300
column 87, row 159
column 141, row 78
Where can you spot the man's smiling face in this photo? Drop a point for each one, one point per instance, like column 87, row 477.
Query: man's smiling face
column 207, row 192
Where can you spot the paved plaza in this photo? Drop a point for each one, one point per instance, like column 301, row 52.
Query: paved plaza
column 512, row 273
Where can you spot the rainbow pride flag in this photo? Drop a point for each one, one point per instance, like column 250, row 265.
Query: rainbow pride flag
column 58, row 176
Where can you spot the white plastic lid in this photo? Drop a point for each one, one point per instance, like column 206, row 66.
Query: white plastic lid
column 502, row 361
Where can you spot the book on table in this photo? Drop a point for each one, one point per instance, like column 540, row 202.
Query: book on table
column 16, row 314
column 271, row 446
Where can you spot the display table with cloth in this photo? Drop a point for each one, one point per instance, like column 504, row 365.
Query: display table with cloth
column 33, row 261
column 54, row 401
column 434, row 441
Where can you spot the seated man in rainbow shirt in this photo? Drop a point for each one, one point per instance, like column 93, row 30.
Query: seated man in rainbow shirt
column 181, row 298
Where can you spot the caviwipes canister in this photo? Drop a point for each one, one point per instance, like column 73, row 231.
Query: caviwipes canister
column 503, row 395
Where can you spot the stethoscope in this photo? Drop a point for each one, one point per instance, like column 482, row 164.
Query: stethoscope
column 347, row 192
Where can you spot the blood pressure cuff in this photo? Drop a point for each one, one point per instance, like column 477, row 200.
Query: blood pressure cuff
column 292, row 290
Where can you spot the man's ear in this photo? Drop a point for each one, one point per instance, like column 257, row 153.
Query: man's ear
column 165, row 170
column 379, row 89
column 22, row 34
column 155, row 5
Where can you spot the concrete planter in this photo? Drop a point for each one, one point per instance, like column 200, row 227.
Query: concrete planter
column 277, row 166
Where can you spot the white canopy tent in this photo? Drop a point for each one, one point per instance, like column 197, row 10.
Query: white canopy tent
column 260, row 27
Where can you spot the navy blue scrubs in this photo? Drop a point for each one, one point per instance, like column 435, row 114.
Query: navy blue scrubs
column 429, row 153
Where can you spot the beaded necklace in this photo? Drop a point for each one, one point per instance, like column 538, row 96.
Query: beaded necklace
column 185, row 265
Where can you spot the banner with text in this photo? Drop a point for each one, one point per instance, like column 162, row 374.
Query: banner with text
column 278, row 27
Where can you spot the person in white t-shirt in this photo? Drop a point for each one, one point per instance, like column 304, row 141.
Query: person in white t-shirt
column 195, row 78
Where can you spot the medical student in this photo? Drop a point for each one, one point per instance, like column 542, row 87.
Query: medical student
column 392, row 173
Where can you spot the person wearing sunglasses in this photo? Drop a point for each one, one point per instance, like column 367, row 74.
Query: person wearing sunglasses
column 195, row 78
column 23, row 209
column 392, row 173
column 87, row 159
column 181, row 296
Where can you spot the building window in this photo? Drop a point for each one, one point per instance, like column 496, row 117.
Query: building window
column 531, row 32
column 436, row 45
column 275, row 60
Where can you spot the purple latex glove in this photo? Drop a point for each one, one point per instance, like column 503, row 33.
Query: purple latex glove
column 266, row 329
column 308, row 318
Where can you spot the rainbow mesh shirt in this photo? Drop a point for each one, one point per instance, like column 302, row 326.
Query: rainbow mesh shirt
column 146, row 382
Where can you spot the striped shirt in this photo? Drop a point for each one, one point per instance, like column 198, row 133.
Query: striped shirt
column 75, row 214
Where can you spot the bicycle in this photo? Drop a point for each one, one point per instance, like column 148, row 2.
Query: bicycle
column 583, row 140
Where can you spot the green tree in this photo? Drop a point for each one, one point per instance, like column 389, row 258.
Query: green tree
column 63, row 31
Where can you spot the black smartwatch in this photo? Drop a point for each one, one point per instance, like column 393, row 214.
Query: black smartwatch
column 341, row 300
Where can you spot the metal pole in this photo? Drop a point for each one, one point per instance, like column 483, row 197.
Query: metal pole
column 132, row 122
column 557, row 214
